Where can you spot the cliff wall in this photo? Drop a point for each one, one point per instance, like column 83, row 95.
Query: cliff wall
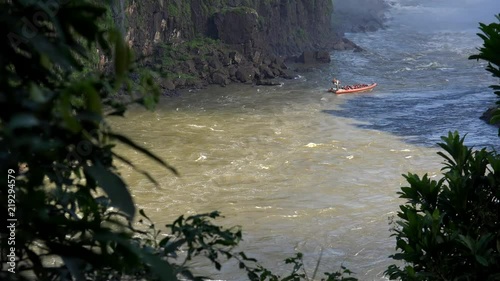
column 278, row 27
column 192, row 43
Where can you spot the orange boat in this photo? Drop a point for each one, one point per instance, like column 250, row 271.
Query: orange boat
column 353, row 89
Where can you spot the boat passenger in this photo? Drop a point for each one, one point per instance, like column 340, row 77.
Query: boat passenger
column 336, row 83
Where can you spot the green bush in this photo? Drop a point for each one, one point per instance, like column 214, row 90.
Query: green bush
column 490, row 52
column 450, row 228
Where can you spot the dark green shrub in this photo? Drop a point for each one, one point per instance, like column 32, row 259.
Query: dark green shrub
column 490, row 52
column 450, row 228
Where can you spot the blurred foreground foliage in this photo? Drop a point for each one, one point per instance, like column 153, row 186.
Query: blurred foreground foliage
column 450, row 228
column 74, row 212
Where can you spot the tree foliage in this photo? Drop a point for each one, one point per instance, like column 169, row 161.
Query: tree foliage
column 490, row 53
column 450, row 228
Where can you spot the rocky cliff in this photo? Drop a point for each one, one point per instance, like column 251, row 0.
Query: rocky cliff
column 195, row 42
column 280, row 27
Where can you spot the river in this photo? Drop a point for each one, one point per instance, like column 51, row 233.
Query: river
column 304, row 170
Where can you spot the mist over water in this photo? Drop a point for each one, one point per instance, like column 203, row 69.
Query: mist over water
column 304, row 170
column 429, row 15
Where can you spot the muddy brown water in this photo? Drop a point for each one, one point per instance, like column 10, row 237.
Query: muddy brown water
column 295, row 178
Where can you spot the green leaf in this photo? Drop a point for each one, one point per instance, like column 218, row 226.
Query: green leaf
column 75, row 266
column 23, row 120
column 481, row 260
column 130, row 143
column 36, row 94
column 94, row 103
column 45, row 62
column 122, row 54
column 66, row 110
column 128, row 162
column 118, row 112
column 114, row 187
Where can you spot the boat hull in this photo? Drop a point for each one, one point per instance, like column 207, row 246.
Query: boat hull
column 350, row 91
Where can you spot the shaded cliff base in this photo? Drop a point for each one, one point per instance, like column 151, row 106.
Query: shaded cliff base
column 203, row 61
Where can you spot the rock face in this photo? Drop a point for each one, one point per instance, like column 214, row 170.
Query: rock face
column 236, row 26
column 349, row 17
column 279, row 27
column 195, row 42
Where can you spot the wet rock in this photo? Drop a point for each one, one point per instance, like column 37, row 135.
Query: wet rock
column 288, row 75
column 225, row 59
column 167, row 84
column 189, row 66
column 275, row 69
column 307, row 57
column 256, row 57
column 323, row 57
column 280, row 60
column 231, row 70
column 266, row 72
column 346, row 44
column 305, row 69
column 245, row 73
column 220, row 78
column 235, row 57
column 179, row 82
column 358, row 49
column 488, row 114
column 262, row 82
column 171, row 93
column 214, row 62
column 200, row 63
